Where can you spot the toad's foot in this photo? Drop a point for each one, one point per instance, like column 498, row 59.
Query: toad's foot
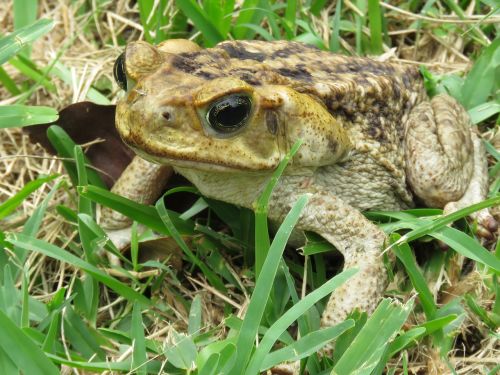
column 476, row 192
column 445, row 161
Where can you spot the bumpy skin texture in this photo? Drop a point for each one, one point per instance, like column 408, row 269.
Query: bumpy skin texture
column 370, row 136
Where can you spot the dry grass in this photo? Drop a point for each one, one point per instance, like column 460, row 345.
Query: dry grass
column 90, row 57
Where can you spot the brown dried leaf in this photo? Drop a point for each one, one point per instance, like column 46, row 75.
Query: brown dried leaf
column 86, row 122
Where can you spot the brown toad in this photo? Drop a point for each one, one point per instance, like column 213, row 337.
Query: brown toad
column 224, row 117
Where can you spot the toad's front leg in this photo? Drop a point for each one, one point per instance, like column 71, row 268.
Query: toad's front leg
column 360, row 241
column 142, row 182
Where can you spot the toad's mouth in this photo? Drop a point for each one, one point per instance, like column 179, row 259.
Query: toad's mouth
column 186, row 162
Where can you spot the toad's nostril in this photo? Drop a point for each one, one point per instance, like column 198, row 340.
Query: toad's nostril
column 166, row 115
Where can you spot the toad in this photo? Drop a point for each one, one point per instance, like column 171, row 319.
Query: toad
column 372, row 139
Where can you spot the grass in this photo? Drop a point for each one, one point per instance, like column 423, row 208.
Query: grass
column 64, row 304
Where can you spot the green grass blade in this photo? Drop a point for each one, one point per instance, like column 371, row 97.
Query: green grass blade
column 49, row 343
column 89, row 297
column 290, row 18
column 335, row 36
column 196, row 14
column 32, row 226
column 100, row 367
column 198, row 206
column 64, row 146
column 12, row 203
column 404, row 254
column 249, row 328
column 299, row 309
column 25, row 311
column 369, row 345
column 87, row 223
column 457, row 240
column 261, row 228
column 14, row 42
column 139, row 357
column 13, row 116
column 28, row 357
column 483, row 111
column 143, row 214
column 359, row 21
column 249, row 14
column 432, row 326
column 152, row 19
column 467, row 246
column 210, row 275
column 90, row 293
column 406, row 340
column 28, row 69
column 6, row 364
column 432, row 226
column 226, row 352
column 272, row 18
column 9, row 83
column 181, row 352
column 32, row 244
column 480, row 82
column 134, row 246
column 194, row 324
column 317, row 6
column 228, row 9
column 307, row 345
column 210, row 366
column 411, row 338
column 84, row 204
column 214, row 10
column 259, row 30
column 492, row 150
column 24, row 13
column 375, row 18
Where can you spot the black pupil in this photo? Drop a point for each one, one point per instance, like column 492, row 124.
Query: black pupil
column 230, row 113
column 119, row 72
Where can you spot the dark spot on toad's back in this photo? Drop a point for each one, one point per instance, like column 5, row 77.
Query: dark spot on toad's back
column 406, row 81
column 351, row 67
column 185, row 64
column 299, row 72
column 206, row 74
column 294, row 49
column 281, row 53
column 375, row 129
column 396, row 91
column 246, row 74
column 324, row 67
column 238, row 52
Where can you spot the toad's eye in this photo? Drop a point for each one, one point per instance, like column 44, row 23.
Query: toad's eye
column 229, row 114
column 119, row 72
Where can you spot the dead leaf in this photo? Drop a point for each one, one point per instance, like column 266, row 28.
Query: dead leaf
column 85, row 122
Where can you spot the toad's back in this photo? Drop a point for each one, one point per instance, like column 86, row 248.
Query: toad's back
column 346, row 85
